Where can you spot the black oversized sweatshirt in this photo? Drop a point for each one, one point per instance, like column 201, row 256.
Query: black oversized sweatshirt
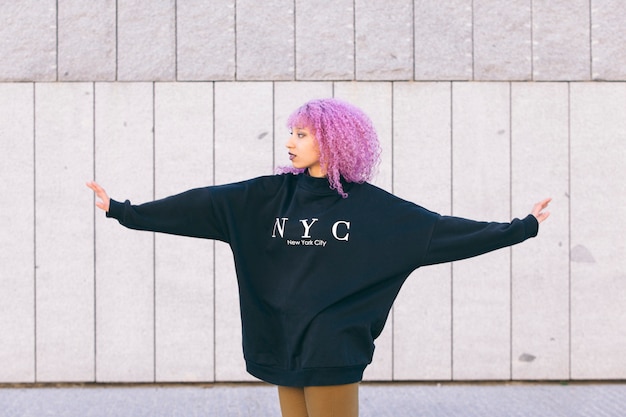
column 317, row 273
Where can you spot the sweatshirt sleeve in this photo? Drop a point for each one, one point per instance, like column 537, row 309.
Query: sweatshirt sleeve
column 187, row 214
column 455, row 238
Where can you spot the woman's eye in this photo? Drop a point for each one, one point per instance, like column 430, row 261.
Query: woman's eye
column 301, row 135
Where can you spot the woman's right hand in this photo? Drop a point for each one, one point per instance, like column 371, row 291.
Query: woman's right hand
column 101, row 194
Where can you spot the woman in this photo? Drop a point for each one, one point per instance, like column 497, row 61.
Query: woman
column 320, row 254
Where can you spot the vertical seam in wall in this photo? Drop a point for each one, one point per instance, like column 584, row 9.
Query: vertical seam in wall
column 116, row 40
column 451, row 212
column 354, row 40
column 176, row 40
column 393, row 315
column 154, row 324
column 590, row 40
column 57, row 41
column 95, row 254
column 35, row 228
column 295, row 41
column 235, row 33
column 569, row 224
column 213, row 242
column 273, row 126
column 473, row 55
column 532, row 45
column 413, row 37
column 510, row 216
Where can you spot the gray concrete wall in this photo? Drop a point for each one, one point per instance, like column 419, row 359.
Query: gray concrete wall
column 483, row 107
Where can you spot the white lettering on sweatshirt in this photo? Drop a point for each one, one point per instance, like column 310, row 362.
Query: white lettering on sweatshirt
column 340, row 231
column 280, row 226
column 307, row 227
column 336, row 225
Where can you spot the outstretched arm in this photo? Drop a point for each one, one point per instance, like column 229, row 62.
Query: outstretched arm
column 187, row 214
column 455, row 238
column 101, row 194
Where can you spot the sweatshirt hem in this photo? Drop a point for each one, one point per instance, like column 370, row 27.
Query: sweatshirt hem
column 306, row 377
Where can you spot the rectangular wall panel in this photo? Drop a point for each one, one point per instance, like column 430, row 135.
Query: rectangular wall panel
column 28, row 47
column 481, row 191
column 265, row 40
column 384, row 40
column 65, row 232
column 325, row 41
column 561, row 48
column 205, row 39
column 608, row 30
column 598, row 213
column 146, row 47
column 124, row 257
column 183, row 265
column 243, row 150
column 502, row 36
column 374, row 99
column 443, row 40
column 540, row 266
column 422, row 331
column 17, row 239
column 86, row 40
column 289, row 96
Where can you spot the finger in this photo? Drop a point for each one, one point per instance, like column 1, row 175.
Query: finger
column 98, row 190
column 544, row 203
column 541, row 205
column 94, row 186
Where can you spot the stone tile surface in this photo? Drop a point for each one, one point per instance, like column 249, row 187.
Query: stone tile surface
column 65, row 213
column 384, row 41
column 205, row 40
column 380, row 400
column 288, row 96
column 598, row 210
column 17, row 239
column 28, row 41
column 184, row 319
column 372, row 99
column 608, row 30
column 87, row 40
column 265, row 40
column 146, row 47
column 124, row 319
column 561, row 48
column 443, row 40
column 540, row 267
column 325, row 40
column 502, row 40
column 422, row 317
column 481, row 191
column 243, row 149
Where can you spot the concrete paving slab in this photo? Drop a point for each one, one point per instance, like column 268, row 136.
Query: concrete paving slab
column 380, row 400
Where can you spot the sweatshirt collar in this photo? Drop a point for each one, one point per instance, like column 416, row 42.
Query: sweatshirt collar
column 320, row 186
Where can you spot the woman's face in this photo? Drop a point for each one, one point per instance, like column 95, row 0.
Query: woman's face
column 304, row 151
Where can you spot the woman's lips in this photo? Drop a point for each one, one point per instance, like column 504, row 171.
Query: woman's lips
column 291, row 156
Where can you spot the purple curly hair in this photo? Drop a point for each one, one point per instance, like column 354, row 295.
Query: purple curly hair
column 347, row 140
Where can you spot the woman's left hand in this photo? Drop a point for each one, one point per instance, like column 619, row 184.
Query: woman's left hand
column 538, row 210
